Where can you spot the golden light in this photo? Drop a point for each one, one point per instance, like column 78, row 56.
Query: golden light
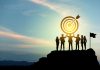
column 69, row 25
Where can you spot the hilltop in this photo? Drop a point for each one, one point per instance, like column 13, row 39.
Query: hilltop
column 68, row 59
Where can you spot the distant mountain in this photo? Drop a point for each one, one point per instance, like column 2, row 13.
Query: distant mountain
column 15, row 63
column 19, row 56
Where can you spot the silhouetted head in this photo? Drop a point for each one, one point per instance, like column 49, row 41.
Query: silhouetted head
column 57, row 37
column 84, row 37
column 81, row 36
column 62, row 35
column 77, row 35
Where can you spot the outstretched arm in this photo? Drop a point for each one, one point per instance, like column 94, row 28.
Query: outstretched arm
column 74, row 36
column 67, row 35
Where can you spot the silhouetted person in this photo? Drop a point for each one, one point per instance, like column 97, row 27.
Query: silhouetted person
column 82, row 41
column 70, row 41
column 85, row 41
column 77, row 42
column 57, row 43
column 62, row 39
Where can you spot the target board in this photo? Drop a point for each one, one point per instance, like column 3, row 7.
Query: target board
column 69, row 25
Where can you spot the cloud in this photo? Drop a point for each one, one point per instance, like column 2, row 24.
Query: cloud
column 9, row 34
column 51, row 6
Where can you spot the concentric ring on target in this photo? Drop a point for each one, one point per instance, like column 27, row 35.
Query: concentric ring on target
column 69, row 25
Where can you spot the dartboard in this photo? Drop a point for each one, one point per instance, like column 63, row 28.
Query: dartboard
column 69, row 25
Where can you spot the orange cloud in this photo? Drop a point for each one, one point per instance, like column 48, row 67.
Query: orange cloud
column 25, row 39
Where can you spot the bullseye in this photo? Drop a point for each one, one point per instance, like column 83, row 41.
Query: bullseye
column 69, row 25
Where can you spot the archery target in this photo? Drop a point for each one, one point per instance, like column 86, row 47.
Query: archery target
column 69, row 25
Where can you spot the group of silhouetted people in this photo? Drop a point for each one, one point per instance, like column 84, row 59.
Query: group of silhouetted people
column 79, row 39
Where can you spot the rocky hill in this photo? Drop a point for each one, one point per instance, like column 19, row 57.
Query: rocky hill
column 76, row 59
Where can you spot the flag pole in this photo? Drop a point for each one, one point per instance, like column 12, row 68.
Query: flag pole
column 90, row 42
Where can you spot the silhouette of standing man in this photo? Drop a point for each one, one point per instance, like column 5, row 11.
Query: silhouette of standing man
column 62, row 39
column 85, row 41
column 77, row 42
column 70, row 41
column 57, row 43
column 82, row 39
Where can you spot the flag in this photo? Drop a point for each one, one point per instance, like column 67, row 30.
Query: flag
column 93, row 35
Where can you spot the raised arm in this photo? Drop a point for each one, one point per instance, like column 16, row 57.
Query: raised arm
column 74, row 36
column 65, row 36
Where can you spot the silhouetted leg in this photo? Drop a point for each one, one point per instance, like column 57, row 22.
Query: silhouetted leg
column 78, row 45
column 61, row 47
column 82, row 45
column 69, row 46
column 85, row 46
column 72, row 46
column 57, row 47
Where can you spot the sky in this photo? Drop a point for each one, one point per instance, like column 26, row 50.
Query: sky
column 28, row 27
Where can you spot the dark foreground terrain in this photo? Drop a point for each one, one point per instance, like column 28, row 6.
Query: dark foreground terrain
column 67, row 60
